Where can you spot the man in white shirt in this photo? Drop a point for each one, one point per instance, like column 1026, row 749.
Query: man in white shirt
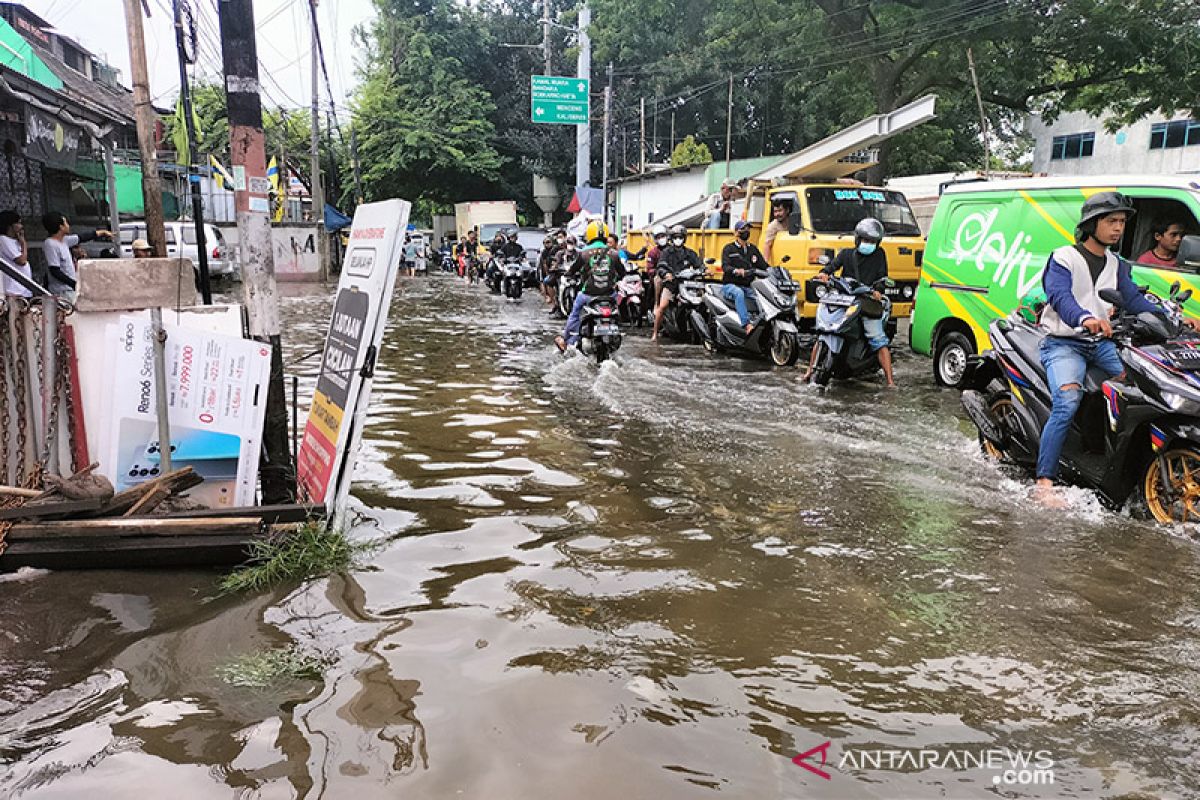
column 14, row 253
column 57, row 250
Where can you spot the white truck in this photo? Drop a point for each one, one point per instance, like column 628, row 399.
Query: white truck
column 488, row 216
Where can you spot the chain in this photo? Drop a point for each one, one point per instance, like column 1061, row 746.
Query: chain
column 20, row 368
column 5, row 405
column 65, row 385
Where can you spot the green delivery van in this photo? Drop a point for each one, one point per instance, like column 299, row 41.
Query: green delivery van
column 989, row 243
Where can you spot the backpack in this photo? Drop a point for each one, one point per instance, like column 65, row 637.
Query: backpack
column 601, row 279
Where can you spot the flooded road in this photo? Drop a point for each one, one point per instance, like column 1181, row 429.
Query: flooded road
column 664, row 578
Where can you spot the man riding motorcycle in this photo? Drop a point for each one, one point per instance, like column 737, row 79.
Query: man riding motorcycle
column 1076, row 317
column 866, row 263
column 675, row 258
column 504, row 245
column 739, row 260
column 599, row 270
column 659, row 234
column 550, row 246
column 466, row 250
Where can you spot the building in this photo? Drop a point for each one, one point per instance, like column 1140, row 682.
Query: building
column 1079, row 144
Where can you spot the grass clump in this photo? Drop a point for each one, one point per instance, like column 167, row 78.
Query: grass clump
column 268, row 668
column 311, row 550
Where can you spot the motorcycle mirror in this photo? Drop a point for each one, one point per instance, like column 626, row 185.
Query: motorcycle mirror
column 710, row 261
column 1183, row 296
column 785, row 259
column 1111, row 296
column 1174, row 289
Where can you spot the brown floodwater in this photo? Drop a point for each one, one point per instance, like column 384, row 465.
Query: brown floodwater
column 664, row 578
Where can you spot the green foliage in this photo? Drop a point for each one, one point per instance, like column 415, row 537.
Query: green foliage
column 310, row 550
column 269, row 668
column 689, row 152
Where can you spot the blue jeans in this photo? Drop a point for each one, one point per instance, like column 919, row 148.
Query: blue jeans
column 571, row 331
column 737, row 295
column 1066, row 361
column 876, row 331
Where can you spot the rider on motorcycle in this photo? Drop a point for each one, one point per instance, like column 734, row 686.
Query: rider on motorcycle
column 659, row 234
column 866, row 263
column 550, row 246
column 675, row 258
column 739, row 260
column 504, row 245
column 1076, row 318
column 599, row 270
column 465, row 250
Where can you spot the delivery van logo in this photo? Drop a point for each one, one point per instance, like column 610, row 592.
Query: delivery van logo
column 976, row 241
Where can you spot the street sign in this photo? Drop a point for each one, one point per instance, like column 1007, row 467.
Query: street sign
column 559, row 101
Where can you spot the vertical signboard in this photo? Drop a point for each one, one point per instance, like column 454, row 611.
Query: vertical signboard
column 339, row 404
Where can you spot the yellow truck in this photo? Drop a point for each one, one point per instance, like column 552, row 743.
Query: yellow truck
column 820, row 222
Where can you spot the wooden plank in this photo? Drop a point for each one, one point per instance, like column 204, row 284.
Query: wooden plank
column 148, row 501
column 135, row 526
column 177, row 481
column 17, row 491
column 125, row 553
column 51, row 509
column 271, row 514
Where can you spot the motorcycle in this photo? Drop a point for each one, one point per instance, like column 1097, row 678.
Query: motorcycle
column 842, row 349
column 493, row 275
column 599, row 333
column 530, row 279
column 568, row 288
column 775, row 334
column 683, row 317
column 1136, row 438
column 511, row 278
column 630, row 290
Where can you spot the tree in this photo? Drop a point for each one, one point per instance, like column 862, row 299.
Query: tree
column 689, row 152
column 424, row 122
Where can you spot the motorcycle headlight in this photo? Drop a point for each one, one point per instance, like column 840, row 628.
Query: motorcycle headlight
column 907, row 292
column 821, row 290
column 1173, row 400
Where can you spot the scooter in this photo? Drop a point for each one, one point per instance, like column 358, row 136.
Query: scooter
column 511, row 280
column 1137, row 438
column 842, row 349
column 629, row 299
column 772, row 306
column 568, row 288
column 493, row 275
column 529, row 275
column 683, row 318
column 599, row 333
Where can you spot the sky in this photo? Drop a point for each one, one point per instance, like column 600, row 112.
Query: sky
column 283, row 43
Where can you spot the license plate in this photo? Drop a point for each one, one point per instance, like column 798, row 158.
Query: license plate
column 605, row 329
column 838, row 299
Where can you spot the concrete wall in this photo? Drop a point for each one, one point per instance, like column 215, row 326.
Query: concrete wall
column 1125, row 152
column 639, row 202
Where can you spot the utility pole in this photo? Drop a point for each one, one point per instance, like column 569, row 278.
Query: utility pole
column 654, row 134
column 672, row 135
column 284, row 180
column 583, row 69
column 607, row 136
column 729, row 127
column 643, row 147
column 189, row 124
column 546, row 38
column 983, row 125
column 318, row 191
column 246, row 144
column 144, row 114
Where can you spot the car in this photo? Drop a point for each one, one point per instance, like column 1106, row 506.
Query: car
column 531, row 239
column 181, row 241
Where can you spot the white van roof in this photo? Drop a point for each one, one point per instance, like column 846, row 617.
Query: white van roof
column 1187, row 182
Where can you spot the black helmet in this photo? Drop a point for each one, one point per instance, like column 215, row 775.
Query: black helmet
column 677, row 232
column 1102, row 204
column 511, row 233
column 868, row 230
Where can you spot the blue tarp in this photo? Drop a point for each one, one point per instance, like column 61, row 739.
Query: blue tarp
column 587, row 199
column 335, row 220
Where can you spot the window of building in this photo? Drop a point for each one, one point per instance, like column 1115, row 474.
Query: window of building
column 72, row 58
column 1179, row 133
column 1073, row 145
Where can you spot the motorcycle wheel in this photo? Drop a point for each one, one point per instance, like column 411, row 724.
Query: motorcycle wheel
column 824, row 369
column 710, row 343
column 1174, row 497
column 1003, row 412
column 785, row 349
column 600, row 348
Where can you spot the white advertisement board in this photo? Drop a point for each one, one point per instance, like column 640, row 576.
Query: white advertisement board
column 217, row 395
column 343, row 391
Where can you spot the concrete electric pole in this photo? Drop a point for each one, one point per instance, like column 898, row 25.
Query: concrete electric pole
column 583, row 133
column 144, row 114
column 251, row 192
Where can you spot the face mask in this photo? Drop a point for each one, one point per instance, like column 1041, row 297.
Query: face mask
column 744, row 235
column 866, row 248
column 678, row 242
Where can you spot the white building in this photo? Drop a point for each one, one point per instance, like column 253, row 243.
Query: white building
column 1078, row 144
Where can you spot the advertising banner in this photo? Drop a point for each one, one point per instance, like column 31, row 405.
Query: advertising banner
column 339, row 404
column 54, row 143
column 217, row 393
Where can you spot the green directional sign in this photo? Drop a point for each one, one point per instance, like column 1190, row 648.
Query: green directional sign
column 559, row 101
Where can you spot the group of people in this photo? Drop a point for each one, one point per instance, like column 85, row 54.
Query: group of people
column 61, row 249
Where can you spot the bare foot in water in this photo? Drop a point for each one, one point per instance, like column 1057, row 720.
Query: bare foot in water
column 1047, row 495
